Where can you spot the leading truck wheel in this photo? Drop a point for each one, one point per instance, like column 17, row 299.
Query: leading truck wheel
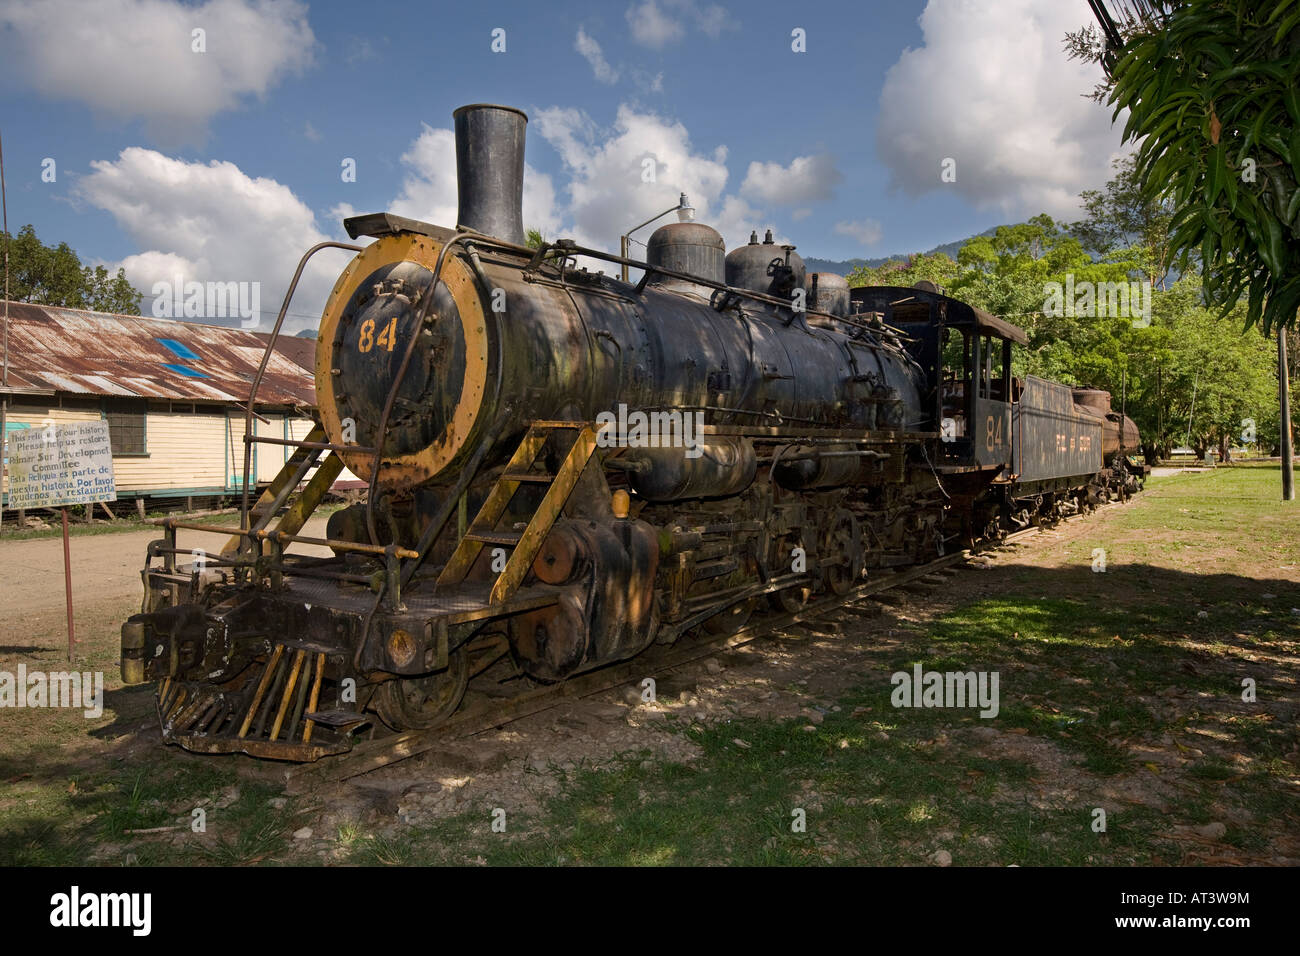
column 421, row 703
column 732, row 619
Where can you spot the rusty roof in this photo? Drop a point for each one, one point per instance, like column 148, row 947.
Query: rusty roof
column 299, row 349
column 98, row 353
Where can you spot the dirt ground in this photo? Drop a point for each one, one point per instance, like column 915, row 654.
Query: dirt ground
column 798, row 675
column 105, row 576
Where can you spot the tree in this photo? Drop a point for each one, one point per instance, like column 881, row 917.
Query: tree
column 937, row 268
column 53, row 275
column 1155, row 370
column 534, row 239
column 1212, row 88
column 1122, row 215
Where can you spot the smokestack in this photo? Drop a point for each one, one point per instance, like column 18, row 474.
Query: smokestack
column 490, row 170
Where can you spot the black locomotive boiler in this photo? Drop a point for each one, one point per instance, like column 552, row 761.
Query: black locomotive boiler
column 565, row 468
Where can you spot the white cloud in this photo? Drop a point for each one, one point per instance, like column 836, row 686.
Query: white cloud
column 212, row 223
column 608, row 191
column 711, row 19
column 866, row 231
column 656, row 26
column 993, row 90
column 311, row 132
column 799, row 215
column 131, row 59
column 806, row 179
column 652, row 27
column 429, row 187
column 593, row 54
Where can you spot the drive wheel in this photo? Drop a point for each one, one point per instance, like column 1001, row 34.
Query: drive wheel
column 844, row 541
column 421, row 703
column 791, row 600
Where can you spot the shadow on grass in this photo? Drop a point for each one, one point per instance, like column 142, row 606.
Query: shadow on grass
column 1089, row 664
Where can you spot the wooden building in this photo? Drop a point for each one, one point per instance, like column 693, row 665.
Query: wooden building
column 173, row 394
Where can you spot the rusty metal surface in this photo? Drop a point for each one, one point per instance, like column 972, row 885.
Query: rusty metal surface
column 96, row 353
column 295, row 348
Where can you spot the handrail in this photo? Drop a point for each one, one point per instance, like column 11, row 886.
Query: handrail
column 393, row 549
column 172, row 523
column 539, row 254
column 317, row 445
column 266, row 358
column 425, row 309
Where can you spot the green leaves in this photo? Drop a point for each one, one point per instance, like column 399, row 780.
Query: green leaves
column 53, row 275
column 1235, row 158
column 1216, row 172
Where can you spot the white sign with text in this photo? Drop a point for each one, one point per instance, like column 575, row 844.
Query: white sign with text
column 60, row 465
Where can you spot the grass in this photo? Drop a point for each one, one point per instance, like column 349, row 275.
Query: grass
column 1120, row 691
column 89, row 818
column 860, row 799
column 1101, row 673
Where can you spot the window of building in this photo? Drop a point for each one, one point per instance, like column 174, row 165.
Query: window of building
column 180, row 350
column 184, row 370
column 126, row 427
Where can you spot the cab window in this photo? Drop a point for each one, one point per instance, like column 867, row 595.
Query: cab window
column 993, row 368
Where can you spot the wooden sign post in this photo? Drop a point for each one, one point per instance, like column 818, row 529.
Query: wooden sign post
column 67, row 580
column 60, row 465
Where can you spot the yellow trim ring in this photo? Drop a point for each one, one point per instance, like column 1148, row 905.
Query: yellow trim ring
column 413, row 469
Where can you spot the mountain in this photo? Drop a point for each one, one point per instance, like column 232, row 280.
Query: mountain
column 846, row 266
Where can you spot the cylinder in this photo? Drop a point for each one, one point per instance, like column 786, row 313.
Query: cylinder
column 559, row 557
column 490, row 170
column 803, row 468
column 577, row 353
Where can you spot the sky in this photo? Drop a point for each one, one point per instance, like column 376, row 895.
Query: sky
column 222, row 155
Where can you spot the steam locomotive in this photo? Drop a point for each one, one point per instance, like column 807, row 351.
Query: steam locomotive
column 565, row 467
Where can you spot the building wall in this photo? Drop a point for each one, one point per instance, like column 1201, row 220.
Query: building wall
column 184, row 452
column 270, row 458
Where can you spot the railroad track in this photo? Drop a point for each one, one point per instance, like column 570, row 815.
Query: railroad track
column 377, row 753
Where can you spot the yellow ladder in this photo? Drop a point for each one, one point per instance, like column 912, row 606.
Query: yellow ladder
column 280, row 492
column 483, row 529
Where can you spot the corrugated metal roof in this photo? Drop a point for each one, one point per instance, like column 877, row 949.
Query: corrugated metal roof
column 97, row 353
column 301, row 350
